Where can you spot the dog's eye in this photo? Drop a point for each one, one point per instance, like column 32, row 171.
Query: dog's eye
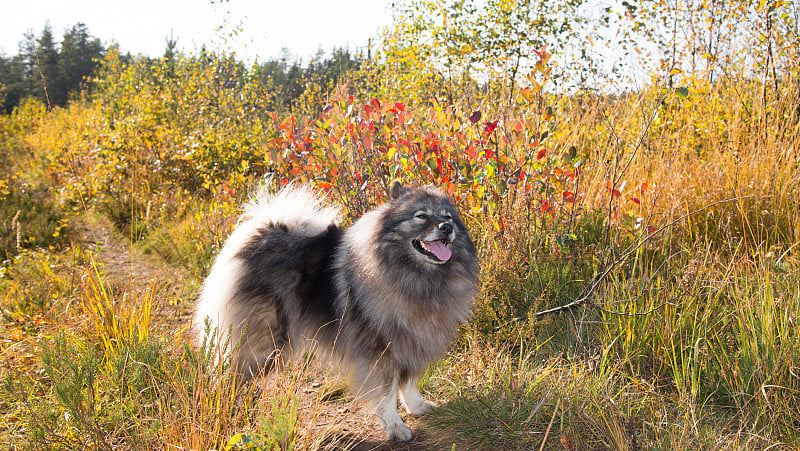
column 421, row 216
column 447, row 216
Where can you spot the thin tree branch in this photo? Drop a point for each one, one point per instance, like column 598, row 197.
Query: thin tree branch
column 601, row 275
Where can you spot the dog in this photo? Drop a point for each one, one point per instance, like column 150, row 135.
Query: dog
column 383, row 297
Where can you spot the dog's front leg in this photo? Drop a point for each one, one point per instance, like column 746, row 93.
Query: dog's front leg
column 386, row 409
column 414, row 402
column 378, row 389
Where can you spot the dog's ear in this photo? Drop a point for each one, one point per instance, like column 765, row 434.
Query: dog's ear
column 397, row 190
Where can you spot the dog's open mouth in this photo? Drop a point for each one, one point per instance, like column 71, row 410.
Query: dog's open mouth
column 436, row 250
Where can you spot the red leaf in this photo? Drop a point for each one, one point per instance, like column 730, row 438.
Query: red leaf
column 571, row 197
column 643, row 188
column 540, row 154
column 636, row 200
column 451, row 188
column 376, row 104
column 475, row 117
column 651, row 229
column 400, row 106
column 614, row 192
column 490, row 127
column 488, row 152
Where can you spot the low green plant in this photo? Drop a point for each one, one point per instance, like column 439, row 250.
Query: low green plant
column 30, row 220
column 279, row 427
column 33, row 282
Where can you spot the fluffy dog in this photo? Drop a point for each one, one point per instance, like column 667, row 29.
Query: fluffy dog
column 384, row 297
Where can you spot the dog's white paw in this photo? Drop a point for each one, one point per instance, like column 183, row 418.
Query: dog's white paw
column 421, row 408
column 398, row 431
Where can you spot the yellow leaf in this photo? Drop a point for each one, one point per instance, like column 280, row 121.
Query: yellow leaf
column 675, row 71
column 496, row 225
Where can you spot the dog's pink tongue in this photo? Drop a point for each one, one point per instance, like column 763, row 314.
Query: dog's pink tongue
column 438, row 249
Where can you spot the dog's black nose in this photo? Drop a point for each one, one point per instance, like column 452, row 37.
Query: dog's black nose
column 446, row 228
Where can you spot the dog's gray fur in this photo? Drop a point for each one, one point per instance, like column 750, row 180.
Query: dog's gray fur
column 384, row 296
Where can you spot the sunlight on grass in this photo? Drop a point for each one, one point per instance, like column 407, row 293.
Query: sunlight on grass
column 639, row 251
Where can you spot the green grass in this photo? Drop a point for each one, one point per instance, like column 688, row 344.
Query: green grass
column 689, row 340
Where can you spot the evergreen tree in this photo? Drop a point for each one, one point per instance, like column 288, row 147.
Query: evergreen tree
column 12, row 87
column 286, row 80
column 78, row 58
column 340, row 63
column 171, row 47
column 28, row 67
column 46, row 59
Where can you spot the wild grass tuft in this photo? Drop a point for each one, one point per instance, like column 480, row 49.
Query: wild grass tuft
column 114, row 321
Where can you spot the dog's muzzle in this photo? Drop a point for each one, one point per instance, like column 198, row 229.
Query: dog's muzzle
column 446, row 228
column 436, row 244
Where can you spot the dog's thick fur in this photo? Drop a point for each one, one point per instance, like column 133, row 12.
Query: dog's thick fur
column 385, row 296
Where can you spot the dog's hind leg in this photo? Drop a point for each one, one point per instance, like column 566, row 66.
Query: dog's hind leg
column 258, row 350
column 411, row 398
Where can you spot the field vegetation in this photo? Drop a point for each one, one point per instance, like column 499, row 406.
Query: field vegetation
column 640, row 254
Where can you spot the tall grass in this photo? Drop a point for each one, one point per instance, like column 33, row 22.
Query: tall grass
column 677, row 233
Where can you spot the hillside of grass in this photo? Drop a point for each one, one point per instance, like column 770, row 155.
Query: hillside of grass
column 640, row 255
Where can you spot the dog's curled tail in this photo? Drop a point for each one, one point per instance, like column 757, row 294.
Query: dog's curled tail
column 295, row 206
column 264, row 242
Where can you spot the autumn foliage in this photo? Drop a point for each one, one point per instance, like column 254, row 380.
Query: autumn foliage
column 638, row 245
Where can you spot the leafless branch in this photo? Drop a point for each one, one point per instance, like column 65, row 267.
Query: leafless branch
column 595, row 282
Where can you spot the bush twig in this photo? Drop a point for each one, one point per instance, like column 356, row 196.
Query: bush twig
column 598, row 278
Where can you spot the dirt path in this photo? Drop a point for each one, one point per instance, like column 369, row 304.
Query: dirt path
column 115, row 256
column 129, row 271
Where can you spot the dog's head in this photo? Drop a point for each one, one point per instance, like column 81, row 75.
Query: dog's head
column 427, row 224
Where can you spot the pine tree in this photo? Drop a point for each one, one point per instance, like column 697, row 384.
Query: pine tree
column 78, row 58
column 51, row 89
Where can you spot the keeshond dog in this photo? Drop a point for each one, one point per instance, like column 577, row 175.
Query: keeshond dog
column 383, row 297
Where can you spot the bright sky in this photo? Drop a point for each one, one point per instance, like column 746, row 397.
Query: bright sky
column 142, row 26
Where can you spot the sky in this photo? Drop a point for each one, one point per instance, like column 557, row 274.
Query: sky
column 143, row 26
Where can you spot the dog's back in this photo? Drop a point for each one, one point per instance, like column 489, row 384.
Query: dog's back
column 270, row 287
